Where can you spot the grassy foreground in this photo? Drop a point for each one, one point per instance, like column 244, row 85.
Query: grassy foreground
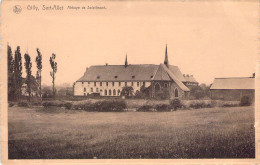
column 203, row 133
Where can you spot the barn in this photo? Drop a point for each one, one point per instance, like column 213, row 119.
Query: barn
column 109, row 80
column 233, row 88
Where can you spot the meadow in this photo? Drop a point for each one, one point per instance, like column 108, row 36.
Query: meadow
column 55, row 133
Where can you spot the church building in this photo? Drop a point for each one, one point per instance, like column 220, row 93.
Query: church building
column 110, row 80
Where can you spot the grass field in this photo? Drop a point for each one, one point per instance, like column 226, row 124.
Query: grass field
column 203, row 133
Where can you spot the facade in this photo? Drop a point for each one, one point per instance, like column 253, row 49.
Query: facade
column 109, row 80
column 233, row 89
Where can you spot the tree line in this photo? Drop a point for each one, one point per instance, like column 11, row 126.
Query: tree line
column 15, row 70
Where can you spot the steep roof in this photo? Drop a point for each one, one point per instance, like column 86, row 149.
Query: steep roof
column 119, row 73
column 234, row 83
column 143, row 72
column 189, row 78
column 174, row 78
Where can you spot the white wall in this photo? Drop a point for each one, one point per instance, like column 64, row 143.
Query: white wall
column 79, row 87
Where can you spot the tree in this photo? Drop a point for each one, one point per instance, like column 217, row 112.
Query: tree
column 127, row 91
column 18, row 73
column 38, row 61
column 28, row 67
column 53, row 72
column 10, row 73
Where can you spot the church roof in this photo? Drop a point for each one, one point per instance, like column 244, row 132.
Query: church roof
column 142, row 72
column 234, row 83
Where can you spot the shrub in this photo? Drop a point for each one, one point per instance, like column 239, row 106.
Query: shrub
column 163, row 107
column 51, row 104
column 11, row 104
column 176, row 104
column 245, row 101
column 110, row 106
column 23, row 104
column 199, row 105
column 145, row 108
column 68, row 105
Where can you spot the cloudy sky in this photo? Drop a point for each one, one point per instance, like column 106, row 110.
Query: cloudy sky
column 206, row 39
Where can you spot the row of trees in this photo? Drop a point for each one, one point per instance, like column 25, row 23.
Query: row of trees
column 15, row 79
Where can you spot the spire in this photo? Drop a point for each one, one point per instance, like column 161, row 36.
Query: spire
column 166, row 62
column 126, row 63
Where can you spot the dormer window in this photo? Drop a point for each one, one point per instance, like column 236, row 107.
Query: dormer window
column 115, row 76
column 98, row 77
column 152, row 76
column 133, row 76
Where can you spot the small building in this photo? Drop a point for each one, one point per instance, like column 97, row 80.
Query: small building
column 233, row 89
column 109, row 80
column 189, row 81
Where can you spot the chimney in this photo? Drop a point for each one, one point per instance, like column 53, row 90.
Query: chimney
column 106, row 64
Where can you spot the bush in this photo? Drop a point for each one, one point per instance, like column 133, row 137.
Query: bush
column 229, row 105
column 199, row 105
column 163, row 107
column 67, row 105
column 11, row 104
column 145, row 108
column 51, row 104
column 245, row 101
column 23, row 104
column 102, row 106
column 176, row 104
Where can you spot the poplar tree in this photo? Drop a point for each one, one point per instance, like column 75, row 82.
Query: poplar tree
column 18, row 73
column 28, row 67
column 38, row 61
column 10, row 66
column 53, row 72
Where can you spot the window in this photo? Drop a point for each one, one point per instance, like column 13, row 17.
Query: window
column 125, row 83
column 105, row 92
column 138, row 84
column 152, row 76
column 84, row 94
column 107, row 83
column 133, row 77
column 119, row 83
column 165, row 85
column 101, row 84
column 110, row 92
column 88, row 83
column 114, row 92
column 85, row 89
column 96, row 89
column 118, row 92
column 82, row 83
column 101, row 90
column 132, row 83
column 95, row 83
column 91, row 89
column 98, row 77
column 115, row 76
column 176, row 92
column 113, row 83
column 143, row 83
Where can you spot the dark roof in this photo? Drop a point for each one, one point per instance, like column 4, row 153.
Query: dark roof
column 189, row 78
column 234, row 83
column 143, row 72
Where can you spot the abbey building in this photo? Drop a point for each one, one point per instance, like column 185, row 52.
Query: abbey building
column 110, row 80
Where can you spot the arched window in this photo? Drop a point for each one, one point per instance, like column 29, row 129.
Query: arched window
column 176, row 92
column 110, row 92
column 118, row 92
column 105, row 92
column 114, row 92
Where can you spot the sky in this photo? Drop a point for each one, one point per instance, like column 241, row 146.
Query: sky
column 205, row 39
